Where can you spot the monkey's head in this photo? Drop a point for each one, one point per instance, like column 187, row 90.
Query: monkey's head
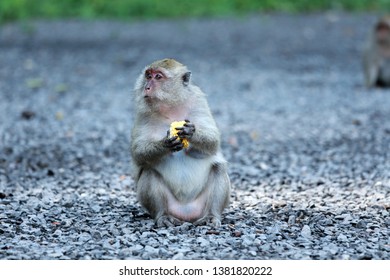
column 164, row 81
column 382, row 32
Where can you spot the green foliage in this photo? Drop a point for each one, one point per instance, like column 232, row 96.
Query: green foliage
column 140, row 9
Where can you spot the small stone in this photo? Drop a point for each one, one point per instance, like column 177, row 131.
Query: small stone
column 150, row 250
column 342, row 238
column 291, row 219
column 247, row 240
column 96, row 208
column 263, row 236
column 279, row 204
column 202, row 242
column 333, row 249
column 263, row 166
column 84, row 237
column 306, row 232
column 136, row 248
column 178, row 256
column 57, row 233
column 252, row 253
column 96, row 235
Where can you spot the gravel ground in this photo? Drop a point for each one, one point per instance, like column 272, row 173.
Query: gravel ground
column 308, row 144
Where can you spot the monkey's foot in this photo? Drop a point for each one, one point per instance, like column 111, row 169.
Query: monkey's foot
column 209, row 220
column 167, row 221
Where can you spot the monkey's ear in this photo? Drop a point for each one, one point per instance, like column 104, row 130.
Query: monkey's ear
column 186, row 78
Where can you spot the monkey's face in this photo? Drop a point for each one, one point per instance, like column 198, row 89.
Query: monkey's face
column 162, row 85
column 382, row 34
column 154, row 80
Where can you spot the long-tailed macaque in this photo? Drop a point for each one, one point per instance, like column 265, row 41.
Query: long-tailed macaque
column 177, row 182
column 376, row 56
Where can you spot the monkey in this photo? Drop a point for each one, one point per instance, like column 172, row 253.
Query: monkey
column 174, row 183
column 376, row 55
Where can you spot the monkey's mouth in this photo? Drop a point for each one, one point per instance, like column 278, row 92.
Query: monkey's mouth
column 148, row 99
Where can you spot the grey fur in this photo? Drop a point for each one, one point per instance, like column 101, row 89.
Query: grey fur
column 198, row 173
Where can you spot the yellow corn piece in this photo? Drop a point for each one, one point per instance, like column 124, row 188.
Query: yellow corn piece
column 173, row 132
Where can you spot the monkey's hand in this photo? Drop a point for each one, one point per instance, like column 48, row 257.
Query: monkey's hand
column 187, row 130
column 174, row 144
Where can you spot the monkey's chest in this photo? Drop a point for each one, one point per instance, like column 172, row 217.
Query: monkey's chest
column 184, row 175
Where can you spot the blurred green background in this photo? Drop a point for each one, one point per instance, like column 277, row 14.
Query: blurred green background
column 11, row 10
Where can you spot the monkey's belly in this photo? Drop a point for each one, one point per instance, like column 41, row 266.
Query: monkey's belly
column 185, row 176
column 187, row 211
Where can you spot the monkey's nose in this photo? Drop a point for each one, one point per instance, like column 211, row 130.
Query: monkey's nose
column 147, row 90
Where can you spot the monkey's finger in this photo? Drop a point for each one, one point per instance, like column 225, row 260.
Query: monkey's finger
column 175, row 146
column 188, row 124
column 170, row 142
column 171, row 221
column 184, row 130
column 173, row 139
column 177, row 143
column 184, row 134
column 189, row 127
column 176, row 149
column 165, row 221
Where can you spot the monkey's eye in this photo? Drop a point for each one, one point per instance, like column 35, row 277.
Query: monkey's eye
column 148, row 75
column 158, row 76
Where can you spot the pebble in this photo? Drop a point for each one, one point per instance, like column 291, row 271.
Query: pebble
column 291, row 219
column 306, row 232
column 178, row 256
column 333, row 248
column 342, row 238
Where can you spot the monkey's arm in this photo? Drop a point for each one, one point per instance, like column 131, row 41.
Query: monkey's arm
column 205, row 138
column 147, row 151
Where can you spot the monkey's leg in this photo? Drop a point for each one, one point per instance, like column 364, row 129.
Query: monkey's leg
column 218, row 194
column 152, row 194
